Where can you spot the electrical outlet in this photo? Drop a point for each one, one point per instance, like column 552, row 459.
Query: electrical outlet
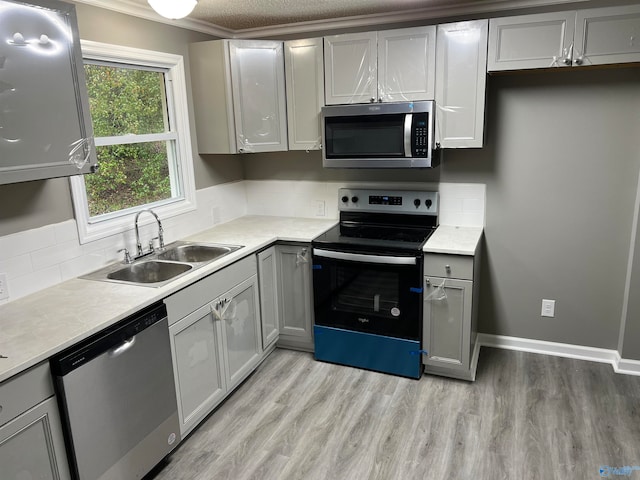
column 4, row 288
column 548, row 308
column 320, row 208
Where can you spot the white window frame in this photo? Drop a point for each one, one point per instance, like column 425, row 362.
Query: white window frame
column 90, row 230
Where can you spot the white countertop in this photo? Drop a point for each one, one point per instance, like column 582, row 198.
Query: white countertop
column 454, row 240
column 40, row 325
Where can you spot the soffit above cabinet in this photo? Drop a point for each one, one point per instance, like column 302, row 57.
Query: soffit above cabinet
column 261, row 18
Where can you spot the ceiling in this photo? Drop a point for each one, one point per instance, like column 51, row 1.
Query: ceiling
column 255, row 18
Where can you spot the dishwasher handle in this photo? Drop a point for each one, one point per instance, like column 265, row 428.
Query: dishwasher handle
column 123, row 347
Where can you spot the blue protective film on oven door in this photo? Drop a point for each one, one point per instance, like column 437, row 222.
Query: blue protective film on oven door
column 396, row 356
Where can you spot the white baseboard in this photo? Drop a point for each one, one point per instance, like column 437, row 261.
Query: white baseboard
column 579, row 352
column 628, row 367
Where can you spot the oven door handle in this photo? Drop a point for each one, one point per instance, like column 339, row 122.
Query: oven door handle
column 360, row 257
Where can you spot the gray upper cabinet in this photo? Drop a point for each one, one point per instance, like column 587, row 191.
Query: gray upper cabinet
column 530, row 41
column 239, row 96
column 607, row 35
column 305, row 92
column 595, row 36
column 386, row 66
column 350, row 68
column 461, row 71
column 407, row 64
column 45, row 124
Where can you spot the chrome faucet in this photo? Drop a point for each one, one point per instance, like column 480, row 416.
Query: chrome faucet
column 160, row 236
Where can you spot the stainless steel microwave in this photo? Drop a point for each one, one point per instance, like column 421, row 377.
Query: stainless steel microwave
column 379, row 135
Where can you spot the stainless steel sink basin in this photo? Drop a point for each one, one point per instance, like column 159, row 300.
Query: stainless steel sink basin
column 195, row 252
column 149, row 272
column 159, row 268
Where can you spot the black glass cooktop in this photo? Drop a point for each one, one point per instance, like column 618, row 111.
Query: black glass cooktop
column 378, row 233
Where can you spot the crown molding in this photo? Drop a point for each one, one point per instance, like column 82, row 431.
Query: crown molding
column 403, row 16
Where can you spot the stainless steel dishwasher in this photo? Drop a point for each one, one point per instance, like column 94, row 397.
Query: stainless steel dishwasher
column 118, row 398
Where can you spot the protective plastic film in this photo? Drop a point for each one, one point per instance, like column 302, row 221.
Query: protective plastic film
column 406, row 64
column 565, row 59
column 352, row 68
column 258, row 94
column 80, row 152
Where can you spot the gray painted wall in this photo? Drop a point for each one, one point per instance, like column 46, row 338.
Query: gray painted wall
column 630, row 340
column 561, row 167
column 34, row 204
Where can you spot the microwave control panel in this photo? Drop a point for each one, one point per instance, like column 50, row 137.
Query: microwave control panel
column 420, row 134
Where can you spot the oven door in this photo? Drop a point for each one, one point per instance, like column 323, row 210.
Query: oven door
column 378, row 294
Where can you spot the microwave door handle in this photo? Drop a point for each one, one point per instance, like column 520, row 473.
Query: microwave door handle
column 408, row 121
column 360, row 257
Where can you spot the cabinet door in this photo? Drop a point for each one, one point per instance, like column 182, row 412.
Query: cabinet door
column 446, row 332
column 32, row 446
column 607, row 35
column 257, row 80
column 196, row 347
column 461, row 64
column 350, row 68
column 305, row 92
column 294, row 290
column 407, row 64
column 268, row 283
column 45, row 124
column 531, row 41
column 239, row 313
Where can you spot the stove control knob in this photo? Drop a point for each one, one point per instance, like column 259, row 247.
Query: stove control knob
column 354, row 199
column 417, row 202
column 345, row 199
column 428, row 203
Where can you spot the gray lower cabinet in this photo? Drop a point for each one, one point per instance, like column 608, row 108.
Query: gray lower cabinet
column 198, row 366
column 294, row 297
column 217, row 345
column 31, row 441
column 449, row 315
column 268, row 282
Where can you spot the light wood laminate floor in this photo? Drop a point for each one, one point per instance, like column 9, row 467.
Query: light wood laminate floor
column 526, row 416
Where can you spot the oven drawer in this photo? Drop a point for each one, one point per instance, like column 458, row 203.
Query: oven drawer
column 448, row 266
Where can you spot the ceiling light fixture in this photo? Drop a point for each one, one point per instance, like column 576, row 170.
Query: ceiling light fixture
column 173, row 9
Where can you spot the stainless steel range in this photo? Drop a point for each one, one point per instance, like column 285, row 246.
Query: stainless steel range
column 367, row 280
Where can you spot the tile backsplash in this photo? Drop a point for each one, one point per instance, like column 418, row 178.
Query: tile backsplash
column 39, row 258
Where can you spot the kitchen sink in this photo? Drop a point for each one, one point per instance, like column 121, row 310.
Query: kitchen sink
column 159, row 268
column 149, row 272
column 195, row 252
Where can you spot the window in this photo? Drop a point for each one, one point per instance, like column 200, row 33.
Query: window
column 138, row 107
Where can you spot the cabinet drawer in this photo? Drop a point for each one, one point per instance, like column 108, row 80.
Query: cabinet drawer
column 25, row 390
column 189, row 299
column 448, row 266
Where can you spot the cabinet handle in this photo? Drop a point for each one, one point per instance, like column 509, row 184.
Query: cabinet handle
column 372, row 100
column 579, row 60
column 380, row 100
column 566, row 61
column 427, row 282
